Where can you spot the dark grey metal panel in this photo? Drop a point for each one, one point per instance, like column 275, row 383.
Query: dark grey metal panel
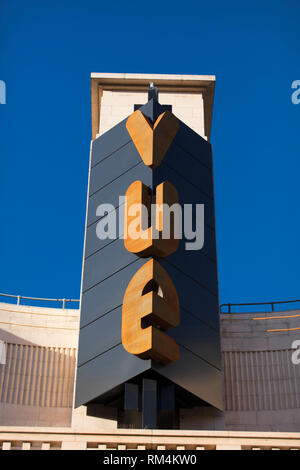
column 190, row 168
column 113, row 166
column 195, row 375
column 106, row 262
column 201, row 264
column 167, row 397
column 188, row 194
column 93, row 243
column 109, row 142
column 209, row 248
column 193, row 143
column 110, row 194
column 198, row 338
column 197, row 266
column 106, row 372
column 194, row 298
column 131, row 397
column 100, row 336
column 149, row 416
column 108, row 294
column 152, row 109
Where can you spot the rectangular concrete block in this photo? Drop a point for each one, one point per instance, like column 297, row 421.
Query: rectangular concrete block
column 228, row 447
column 73, row 445
column 45, row 446
column 6, row 446
column 26, row 446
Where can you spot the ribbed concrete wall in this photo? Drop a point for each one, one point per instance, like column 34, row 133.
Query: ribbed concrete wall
column 261, row 383
column 261, row 380
column 37, row 376
column 37, row 380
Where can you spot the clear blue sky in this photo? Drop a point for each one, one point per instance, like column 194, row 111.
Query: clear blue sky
column 48, row 50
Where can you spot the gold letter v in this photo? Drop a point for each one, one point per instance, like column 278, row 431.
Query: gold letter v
column 152, row 142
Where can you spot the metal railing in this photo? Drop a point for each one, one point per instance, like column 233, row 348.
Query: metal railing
column 228, row 306
column 272, row 305
column 39, row 299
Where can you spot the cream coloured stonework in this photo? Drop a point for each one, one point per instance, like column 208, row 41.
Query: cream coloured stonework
column 117, row 105
column 143, row 439
column 114, row 96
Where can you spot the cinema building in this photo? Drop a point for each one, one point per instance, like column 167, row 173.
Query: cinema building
column 148, row 359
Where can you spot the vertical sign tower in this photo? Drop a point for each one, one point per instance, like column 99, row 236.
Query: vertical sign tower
column 149, row 339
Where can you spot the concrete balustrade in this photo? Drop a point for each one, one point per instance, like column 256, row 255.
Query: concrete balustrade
column 65, row 439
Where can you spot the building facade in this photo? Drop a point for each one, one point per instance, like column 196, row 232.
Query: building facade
column 261, row 387
column 260, row 379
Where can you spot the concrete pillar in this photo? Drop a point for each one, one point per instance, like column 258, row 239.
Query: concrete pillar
column 73, row 445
